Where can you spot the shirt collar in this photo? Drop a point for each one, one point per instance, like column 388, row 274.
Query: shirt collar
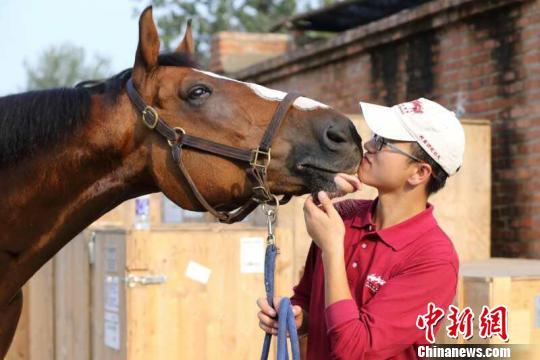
column 400, row 235
column 365, row 220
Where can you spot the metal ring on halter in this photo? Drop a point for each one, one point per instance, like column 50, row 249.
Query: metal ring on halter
column 179, row 132
column 266, row 208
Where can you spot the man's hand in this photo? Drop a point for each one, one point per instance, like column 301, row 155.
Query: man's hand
column 267, row 315
column 324, row 224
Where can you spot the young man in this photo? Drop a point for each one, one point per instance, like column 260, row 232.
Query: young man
column 374, row 266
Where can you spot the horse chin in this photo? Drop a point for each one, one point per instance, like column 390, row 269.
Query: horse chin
column 319, row 178
column 323, row 184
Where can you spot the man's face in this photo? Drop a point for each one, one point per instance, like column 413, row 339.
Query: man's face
column 385, row 164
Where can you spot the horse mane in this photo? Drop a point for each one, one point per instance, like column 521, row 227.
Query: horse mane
column 36, row 119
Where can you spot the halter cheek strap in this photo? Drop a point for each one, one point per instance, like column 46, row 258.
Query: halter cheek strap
column 258, row 159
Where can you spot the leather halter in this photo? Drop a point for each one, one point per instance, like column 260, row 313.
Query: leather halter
column 258, row 159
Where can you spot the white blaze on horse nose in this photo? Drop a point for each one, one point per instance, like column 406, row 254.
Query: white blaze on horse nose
column 301, row 103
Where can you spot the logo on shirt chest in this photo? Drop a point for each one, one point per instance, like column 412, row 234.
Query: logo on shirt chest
column 374, row 282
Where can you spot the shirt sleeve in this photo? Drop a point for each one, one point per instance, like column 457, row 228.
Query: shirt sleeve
column 386, row 325
column 302, row 291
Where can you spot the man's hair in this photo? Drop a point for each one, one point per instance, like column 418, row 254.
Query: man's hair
column 438, row 175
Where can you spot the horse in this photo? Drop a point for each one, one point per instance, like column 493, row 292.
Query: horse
column 69, row 155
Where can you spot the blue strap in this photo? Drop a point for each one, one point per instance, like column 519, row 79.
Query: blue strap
column 285, row 313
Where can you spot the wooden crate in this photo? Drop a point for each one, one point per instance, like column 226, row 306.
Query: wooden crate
column 181, row 318
column 514, row 283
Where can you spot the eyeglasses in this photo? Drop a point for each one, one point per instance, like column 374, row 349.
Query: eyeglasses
column 380, row 142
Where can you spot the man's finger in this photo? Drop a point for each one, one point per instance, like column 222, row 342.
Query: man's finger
column 266, row 320
column 326, row 202
column 308, row 204
column 268, row 329
column 310, row 208
column 265, row 307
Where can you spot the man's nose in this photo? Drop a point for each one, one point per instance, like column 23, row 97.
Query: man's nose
column 369, row 146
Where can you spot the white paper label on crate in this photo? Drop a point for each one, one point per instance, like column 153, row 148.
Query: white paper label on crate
column 110, row 258
column 537, row 310
column 252, row 255
column 198, row 272
column 112, row 293
column 112, row 330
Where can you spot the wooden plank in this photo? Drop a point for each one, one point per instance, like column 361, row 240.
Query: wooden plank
column 524, row 316
column 19, row 349
column 41, row 314
column 72, row 301
column 109, row 266
column 476, row 293
column 501, row 290
column 501, row 267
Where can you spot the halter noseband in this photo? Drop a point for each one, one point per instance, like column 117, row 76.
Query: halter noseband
column 258, row 159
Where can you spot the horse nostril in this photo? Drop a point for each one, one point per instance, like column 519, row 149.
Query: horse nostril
column 335, row 135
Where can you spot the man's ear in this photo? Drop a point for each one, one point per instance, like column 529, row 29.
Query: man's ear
column 186, row 45
column 146, row 57
column 422, row 174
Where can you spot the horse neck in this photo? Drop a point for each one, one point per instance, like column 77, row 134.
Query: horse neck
column 52, row 196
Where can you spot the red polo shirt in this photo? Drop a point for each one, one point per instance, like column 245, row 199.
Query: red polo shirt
column 393, row 274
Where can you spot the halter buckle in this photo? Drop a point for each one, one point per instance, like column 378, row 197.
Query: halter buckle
column 179, row 133
column 256, row 158
column 152, row 123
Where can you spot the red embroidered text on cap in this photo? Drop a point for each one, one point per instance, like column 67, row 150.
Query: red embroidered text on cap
column 414, row 106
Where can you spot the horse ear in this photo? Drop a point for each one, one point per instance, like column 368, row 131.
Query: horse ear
column 186, row 46
column 146, row 57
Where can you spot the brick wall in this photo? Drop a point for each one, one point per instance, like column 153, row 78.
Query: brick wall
column 233, row 51
column 479, row 58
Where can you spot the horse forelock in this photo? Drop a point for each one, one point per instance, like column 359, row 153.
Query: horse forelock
column 178, row 59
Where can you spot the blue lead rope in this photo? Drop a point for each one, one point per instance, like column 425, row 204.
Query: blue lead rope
column 285, row 315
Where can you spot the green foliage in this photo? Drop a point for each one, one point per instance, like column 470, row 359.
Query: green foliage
column 211, row 16
column 63, row 65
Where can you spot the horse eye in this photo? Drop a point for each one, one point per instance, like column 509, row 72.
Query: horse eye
column 199, row 92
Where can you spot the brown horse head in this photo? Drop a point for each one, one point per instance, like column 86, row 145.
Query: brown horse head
column 313, row 143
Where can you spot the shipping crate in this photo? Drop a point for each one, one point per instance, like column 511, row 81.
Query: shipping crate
column 167, row 295
column 513, row 283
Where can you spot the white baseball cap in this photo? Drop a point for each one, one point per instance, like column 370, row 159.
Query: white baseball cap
column 436, row 129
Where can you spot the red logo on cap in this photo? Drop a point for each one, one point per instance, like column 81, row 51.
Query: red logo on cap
column 417, row 107
column 414, row 106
